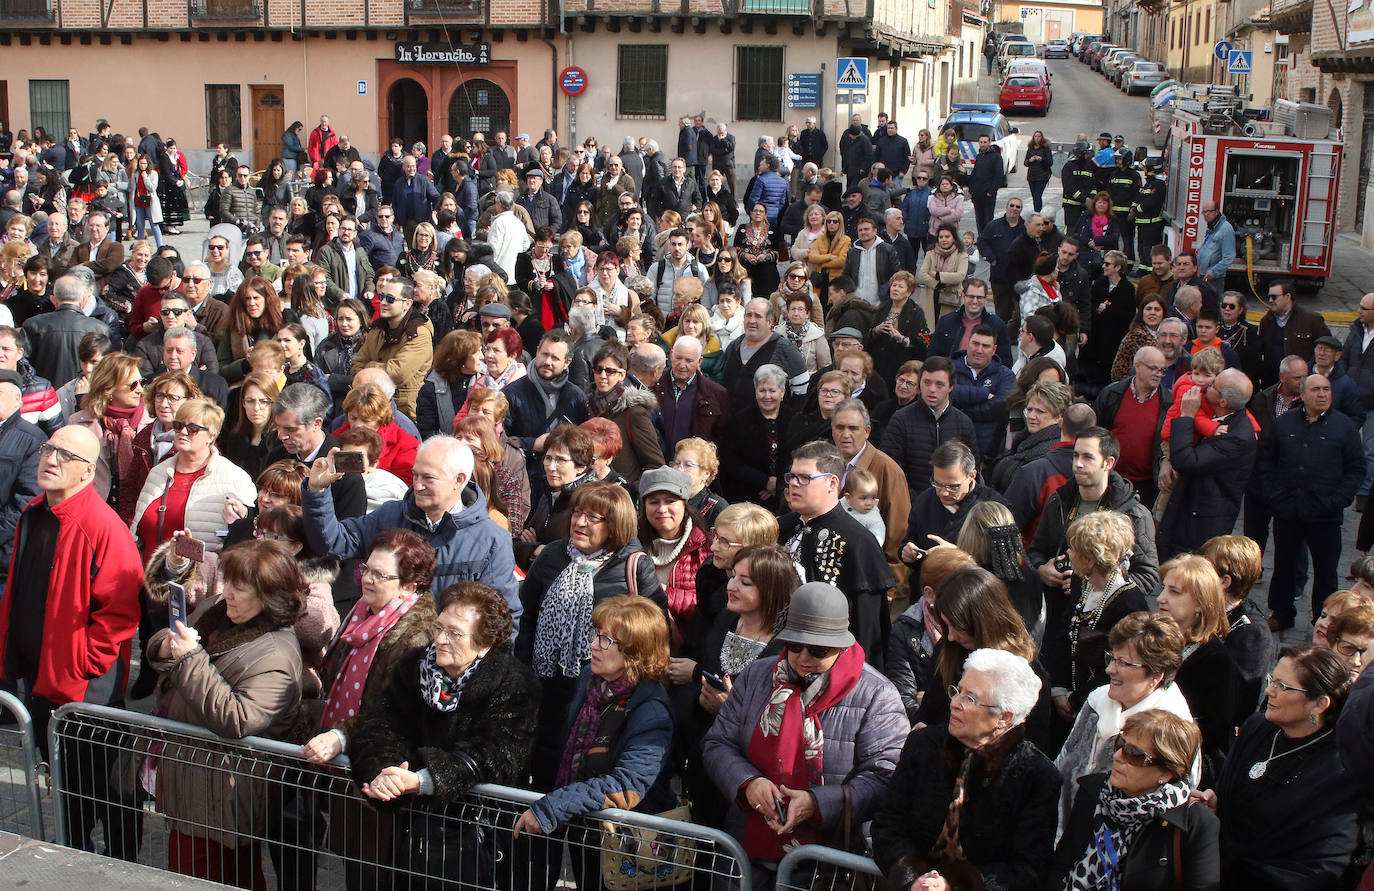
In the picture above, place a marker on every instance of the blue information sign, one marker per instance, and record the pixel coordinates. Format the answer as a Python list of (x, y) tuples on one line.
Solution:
[(804, 90)]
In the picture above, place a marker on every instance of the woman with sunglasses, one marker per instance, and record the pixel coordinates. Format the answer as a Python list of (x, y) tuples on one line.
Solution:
[(808, 738), (1144, 652), (971, 804), (631, 409), (1287, 802), (1135, 827), (155, 442), (114, 410), (188, 490)]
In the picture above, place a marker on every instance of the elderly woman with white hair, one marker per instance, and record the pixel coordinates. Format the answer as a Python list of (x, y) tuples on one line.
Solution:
[(972, 805)]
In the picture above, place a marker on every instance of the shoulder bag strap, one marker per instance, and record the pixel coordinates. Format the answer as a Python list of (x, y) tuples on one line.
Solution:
[(1178, 857), (632, 573)]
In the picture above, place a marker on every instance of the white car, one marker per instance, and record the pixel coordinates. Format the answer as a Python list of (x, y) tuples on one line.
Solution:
[(1029, 66)]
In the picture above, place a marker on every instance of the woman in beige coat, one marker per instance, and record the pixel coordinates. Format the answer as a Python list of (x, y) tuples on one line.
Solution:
[(237, 671)]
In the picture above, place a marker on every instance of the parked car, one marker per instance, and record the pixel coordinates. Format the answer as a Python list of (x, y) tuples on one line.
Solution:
[(1081, 43), (1143, 76), (1029, 66), (971, 120), (1025, 92), (1121, 66), (1100, 54), (1058, 48), (1091, 47), (1111, 66), (1014, 49)]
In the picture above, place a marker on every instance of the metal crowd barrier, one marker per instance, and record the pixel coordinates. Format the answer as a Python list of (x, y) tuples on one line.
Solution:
[(21, 768), (818, 868), (256, 796)]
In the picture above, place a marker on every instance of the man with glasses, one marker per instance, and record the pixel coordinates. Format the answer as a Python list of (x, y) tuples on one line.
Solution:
[(211, 313), (1133, 408), (828, 545), (940, 511), (346, 264), (1311, 465), (68, 619), (692, 404), (953, 330), (1211, 472), (175, 312), (1287, 329), (383, 242), (994, 243), (402, 342), (180, 353), (255, 262), (441, 507), (239, 203)]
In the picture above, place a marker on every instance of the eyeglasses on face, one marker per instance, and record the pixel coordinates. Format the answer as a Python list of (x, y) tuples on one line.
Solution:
[(443, 632), (366, 571), (816, 652), (63, 455), (1275, 683), (1132, 754), (1349, 649), (602, 641), (134, 385), (1110, 657), (169, 398), (216, 247), (588, 516), (168, 312), (948, 487), (189, 428), (194, 280), (390, 298), (607, 370), (957, 695), (802, 479)]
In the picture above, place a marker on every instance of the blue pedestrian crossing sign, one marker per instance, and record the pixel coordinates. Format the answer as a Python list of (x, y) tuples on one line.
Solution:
[(1239, 63), (851, 73)]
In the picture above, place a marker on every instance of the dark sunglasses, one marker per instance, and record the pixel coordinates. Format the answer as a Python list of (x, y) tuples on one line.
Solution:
[(191, 429), (1131, 754), (170, 311), (816, 652), (389, 298)]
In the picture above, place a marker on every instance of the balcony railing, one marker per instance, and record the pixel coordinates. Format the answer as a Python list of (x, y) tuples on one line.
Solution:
[(781, 7), (14, 11), (224, 10)]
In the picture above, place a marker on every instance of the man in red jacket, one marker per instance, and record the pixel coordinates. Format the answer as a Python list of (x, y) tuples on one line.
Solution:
[(67, 623), (322, 139)]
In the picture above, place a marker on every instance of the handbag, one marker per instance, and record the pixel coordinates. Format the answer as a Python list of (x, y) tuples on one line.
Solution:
[(831, 878), (636, 859), (449, 845), (143, 199)]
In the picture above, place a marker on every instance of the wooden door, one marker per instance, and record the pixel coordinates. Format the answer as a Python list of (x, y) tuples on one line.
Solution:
[(1052, 29), (269, 120)]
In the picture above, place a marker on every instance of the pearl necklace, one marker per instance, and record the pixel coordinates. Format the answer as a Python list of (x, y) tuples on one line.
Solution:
[(1258, 769)]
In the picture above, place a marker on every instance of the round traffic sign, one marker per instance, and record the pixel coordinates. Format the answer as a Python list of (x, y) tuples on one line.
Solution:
[(573, 81), (1222, 50)]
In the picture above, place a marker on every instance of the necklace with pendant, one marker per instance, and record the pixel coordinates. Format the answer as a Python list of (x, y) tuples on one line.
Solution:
[(1258, 769)]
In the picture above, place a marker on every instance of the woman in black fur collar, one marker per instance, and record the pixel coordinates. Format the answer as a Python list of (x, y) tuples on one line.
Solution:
[(972, 805)]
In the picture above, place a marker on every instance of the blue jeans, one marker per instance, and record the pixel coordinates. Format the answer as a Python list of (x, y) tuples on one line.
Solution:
[(1037, 190), (142, 218), (290, 164)]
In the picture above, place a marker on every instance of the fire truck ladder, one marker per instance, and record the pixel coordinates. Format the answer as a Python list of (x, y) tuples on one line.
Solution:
[(1315, 231)]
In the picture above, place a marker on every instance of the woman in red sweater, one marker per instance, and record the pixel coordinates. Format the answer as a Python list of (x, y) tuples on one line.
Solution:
[(367, 406)]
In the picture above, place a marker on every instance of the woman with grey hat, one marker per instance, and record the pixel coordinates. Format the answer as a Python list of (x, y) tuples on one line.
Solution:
[(972, 804), (806, 739), (675, 537)]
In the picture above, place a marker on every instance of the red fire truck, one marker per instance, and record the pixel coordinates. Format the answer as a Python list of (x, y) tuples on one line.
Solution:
[(1275, 180)]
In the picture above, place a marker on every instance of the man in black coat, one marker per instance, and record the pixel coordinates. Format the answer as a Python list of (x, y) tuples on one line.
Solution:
[(1310, 467), (856, 151), (941, 509), (723, 156), (678, 191), (529, 418), (988, 176), (1040, 236), (916, 431), (812, 144), (995, 241), (1213, 473), (828, 545), (19, 443), (54, 336), (539, 203)]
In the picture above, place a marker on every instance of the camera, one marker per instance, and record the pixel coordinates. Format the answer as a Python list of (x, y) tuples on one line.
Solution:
[(1063, 564)]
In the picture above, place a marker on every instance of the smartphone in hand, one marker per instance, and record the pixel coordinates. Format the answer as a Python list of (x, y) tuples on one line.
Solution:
[(349, 462), (713, 680), (176, 605)]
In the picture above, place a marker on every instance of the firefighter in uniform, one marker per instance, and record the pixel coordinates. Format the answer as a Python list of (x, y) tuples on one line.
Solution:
[(1124, 186), (1148, 212), (1079, 177)]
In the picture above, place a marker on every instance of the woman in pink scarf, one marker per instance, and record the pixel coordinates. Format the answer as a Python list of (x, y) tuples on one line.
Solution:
[(394, 615), (1097, 232)]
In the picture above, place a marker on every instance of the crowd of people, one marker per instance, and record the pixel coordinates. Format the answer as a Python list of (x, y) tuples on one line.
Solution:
[(579, 471)]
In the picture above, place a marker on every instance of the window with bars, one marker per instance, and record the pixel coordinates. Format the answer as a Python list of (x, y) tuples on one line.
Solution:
[(641, 83), (223, 116), (759, 83), (50, 106)]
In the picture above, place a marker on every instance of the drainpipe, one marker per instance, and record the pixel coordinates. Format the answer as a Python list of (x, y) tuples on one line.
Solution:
[(553, 53)]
